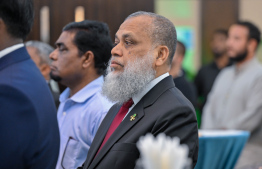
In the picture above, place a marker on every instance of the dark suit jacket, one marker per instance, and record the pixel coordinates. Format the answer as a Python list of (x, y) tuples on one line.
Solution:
[(55, 95), (29, 135), (188, 89), (162, 110)]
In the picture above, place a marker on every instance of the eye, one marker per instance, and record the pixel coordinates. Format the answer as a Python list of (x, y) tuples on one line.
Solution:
[(127, 42), (114, 44), (61, 49)]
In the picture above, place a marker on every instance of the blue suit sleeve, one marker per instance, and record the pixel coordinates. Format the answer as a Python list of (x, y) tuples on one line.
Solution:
[(18, 128)]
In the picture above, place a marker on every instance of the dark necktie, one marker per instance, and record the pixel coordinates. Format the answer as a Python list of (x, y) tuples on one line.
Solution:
[(117, 120)]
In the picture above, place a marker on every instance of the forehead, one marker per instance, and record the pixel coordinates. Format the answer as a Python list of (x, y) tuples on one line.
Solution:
[(238, 30), (137, 27), (33, 52), (31, 49), (218, 35), (66, 38)]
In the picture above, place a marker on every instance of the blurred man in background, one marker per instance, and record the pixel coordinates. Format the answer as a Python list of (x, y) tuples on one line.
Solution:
[(79, 60), (28, 125), (207, 74), (39, 53), (176, 71), (235, 101)]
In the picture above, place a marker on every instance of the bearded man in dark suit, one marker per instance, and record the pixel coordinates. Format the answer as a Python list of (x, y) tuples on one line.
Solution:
[(28, 125), (147, 99)]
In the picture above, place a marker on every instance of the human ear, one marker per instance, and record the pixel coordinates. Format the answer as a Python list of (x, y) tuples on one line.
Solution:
[(252, 44), (88, 59), (162, 55)]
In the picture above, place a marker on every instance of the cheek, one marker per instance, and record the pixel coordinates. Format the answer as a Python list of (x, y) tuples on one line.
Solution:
[(237, 47), (233, 45), (66, 64), (63, 64)]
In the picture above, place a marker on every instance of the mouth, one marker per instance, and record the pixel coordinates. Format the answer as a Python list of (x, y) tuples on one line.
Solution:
[(53, 68), (115, 64), (230, 50)]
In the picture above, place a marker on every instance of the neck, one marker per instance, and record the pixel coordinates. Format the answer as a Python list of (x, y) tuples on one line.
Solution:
[(47, 77), (175, 72), (222, 61), (80, 84), (6, 42), (162, 70), (249, 57)]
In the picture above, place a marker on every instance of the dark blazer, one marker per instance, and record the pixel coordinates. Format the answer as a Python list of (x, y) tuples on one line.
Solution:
[(55, 95), (188, 89), (162, 110), (29, 135)]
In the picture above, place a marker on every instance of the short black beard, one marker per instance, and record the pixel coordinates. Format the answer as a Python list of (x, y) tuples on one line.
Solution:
[(218, 55), (239, 57), (55, 78)]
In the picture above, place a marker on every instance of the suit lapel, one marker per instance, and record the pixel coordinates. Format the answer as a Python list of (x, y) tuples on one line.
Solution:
[(123, 128), (126, 124), (101, 133)]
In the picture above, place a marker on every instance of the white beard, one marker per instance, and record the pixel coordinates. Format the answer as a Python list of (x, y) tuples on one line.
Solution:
[(120, 87)]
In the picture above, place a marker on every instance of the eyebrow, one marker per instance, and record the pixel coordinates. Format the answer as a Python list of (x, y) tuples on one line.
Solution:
[(58, 44), (124, 35)]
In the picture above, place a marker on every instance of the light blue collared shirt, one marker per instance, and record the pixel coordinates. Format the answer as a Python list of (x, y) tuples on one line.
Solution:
[(79, 118)]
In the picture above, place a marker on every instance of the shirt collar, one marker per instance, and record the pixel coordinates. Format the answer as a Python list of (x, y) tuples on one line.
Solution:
[(85, 93), (136, 98), (10, 49)]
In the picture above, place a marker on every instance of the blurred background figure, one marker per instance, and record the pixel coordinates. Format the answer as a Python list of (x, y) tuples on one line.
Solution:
[(235, 101), (79, 60), (207, 74), (178, 74), (28, 125), (39, 53)]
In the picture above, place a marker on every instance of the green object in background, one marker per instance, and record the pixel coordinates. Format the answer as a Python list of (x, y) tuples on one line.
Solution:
[(182, 10), (198, 115), (200, 103), (174, 8), (185, 34)]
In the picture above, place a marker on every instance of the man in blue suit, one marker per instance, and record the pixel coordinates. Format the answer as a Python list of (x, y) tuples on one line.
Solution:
[(29, 135)]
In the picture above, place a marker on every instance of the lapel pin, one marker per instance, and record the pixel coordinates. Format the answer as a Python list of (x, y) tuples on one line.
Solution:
[(133, 117)]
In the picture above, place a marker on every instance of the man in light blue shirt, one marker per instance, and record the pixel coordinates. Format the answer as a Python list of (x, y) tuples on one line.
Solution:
[(79, 60)]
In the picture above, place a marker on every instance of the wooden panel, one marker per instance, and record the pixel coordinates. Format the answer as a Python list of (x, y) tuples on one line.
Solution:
[(216, 14), (113, 12)]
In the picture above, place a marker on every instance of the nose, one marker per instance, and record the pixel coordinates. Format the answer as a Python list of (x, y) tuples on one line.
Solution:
[(117, 51), (53, 55)]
